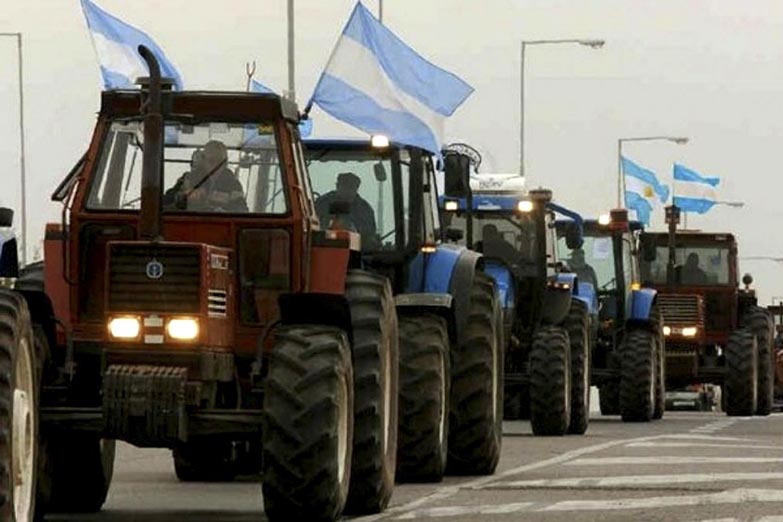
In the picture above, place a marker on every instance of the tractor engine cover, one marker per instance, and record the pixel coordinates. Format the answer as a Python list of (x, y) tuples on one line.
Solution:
[(145, 405)]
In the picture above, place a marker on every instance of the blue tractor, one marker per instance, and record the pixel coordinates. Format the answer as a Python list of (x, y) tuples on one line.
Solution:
[(450, 318), (547, 310), (628, 357)]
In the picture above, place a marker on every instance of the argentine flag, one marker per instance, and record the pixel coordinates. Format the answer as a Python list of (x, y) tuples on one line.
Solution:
[(642, 190), (376, 83), (116, 44), (692, 191)]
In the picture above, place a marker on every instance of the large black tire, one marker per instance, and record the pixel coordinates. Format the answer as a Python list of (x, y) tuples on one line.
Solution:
[(760, 323), (80, 468), (18, 410), (375, 375), (637, 375), (308, 424), (740, 384), (204, 461), (422, 446), (609, 398), (578, 327), (550, 382), (476, 404), (660, 361)]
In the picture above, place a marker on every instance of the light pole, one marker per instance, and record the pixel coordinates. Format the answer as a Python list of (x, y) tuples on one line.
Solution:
[(291, 48), (23, 177), (732, 204), (380, 11), (620, 177), (595, 44)]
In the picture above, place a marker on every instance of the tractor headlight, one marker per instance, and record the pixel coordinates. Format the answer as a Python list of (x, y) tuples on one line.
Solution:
[(125, 327), (690, 331), (379, 141), (182, 328), (451, 205), (604, 219), (667, 330), (525, 206)]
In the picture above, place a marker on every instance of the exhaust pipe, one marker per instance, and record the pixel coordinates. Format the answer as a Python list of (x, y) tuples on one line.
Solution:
[(150, 218)]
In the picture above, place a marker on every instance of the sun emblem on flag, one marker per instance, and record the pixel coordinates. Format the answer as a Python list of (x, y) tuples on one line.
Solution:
[(648, 192)]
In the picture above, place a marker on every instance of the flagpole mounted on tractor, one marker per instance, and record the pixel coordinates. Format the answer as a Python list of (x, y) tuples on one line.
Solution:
[(679, 140), (291, 94)]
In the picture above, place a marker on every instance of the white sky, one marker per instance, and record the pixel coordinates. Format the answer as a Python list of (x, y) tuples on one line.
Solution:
[(706, 69)]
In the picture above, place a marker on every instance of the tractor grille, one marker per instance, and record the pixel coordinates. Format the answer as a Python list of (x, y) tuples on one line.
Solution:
[(681, 309), (131, 289)]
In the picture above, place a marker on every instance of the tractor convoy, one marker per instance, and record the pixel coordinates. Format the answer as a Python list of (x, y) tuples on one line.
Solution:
[(335, 316)]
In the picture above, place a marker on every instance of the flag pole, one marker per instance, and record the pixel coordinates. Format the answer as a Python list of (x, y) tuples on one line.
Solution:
[(291, 61)]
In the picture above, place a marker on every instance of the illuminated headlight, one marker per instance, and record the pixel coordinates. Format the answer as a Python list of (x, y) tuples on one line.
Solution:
[(690, 331), (604, 219), (124, 327), (525, 206), (379, 141), (182, 329), (451, 206), (667, 330)]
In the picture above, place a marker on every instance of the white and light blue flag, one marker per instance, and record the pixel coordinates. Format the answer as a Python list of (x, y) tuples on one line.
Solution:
[(376, 83), (643, 190), (116, 44), (305, 126), (692, 191)]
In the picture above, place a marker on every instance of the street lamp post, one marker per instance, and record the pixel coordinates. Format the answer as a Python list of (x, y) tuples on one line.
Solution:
[(291, 53), (595, 44), (620, 177), (23, 177)]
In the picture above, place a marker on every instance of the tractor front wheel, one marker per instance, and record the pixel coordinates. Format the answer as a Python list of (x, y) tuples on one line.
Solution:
[(578, 325), (638, 375), (308, 424), (741, 380), (760, 323), (204, 461), (550, 382)]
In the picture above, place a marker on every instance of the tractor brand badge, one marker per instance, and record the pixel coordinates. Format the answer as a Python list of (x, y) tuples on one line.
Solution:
[(154, 269)]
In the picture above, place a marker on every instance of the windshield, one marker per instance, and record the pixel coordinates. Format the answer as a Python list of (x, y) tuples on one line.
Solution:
[(364, 180), (702, 265), (593, 263), (209, 167), (509, 237)]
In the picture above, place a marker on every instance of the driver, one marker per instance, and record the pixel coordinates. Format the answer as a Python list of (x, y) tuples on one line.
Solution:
[(584, 272), (362, 215), (494, 245), (691, 273), (209, 186)]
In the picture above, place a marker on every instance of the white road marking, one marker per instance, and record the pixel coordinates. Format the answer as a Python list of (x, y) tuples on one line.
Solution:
[(635, 480), (694, 436), (735, 496), (668, 460), (664, 444), (461, 511)]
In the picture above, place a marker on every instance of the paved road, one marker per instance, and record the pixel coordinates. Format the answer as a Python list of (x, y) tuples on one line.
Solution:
[(689, 467)]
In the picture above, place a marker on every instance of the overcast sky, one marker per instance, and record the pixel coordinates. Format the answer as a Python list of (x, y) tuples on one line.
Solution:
[(706, 69)]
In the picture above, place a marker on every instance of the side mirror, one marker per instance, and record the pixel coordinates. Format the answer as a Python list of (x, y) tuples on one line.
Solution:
[(649, 248), (380, 172), (456, 169), (454, 235), (747, 280), (574, 236), (6, 217), (340, 208)]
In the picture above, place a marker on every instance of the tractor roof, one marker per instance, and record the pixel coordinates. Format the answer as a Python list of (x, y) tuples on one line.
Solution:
[(207, 105), (694, 236)]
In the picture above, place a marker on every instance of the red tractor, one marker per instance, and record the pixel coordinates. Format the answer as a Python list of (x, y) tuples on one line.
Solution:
[(191, 300), (715, 331)]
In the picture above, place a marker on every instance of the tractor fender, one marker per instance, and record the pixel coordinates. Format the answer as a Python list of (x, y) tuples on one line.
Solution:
[(504, 280), (316, 308), (9, 263), (30, 285), (439, 304), (557, 303), (640, 304)]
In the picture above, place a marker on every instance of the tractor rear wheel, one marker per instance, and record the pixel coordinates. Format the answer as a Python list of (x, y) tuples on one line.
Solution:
[(422, 446), (476, 404), (741, 380), (638, 375), (550, 381), (19, 415), (204, 461), (375, 375), (609, 398), (578, 326), (760, 323), (660, 360), (308, 424)]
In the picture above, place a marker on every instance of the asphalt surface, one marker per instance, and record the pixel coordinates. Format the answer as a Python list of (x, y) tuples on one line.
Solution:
[(686, 467)]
